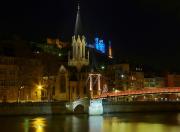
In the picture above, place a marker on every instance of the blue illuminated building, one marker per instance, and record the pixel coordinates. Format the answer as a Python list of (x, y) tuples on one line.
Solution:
[(99, 45)]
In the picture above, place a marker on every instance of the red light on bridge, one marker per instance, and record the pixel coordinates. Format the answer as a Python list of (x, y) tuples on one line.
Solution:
[(138, 92)]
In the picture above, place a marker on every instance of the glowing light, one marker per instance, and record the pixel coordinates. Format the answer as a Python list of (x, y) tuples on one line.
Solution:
[(140, 92), (110, 50), (39, 87), (100, 45), (60, 54), (102, 67), (38, 91), (21, 87), (39, 124), (116, 91), (122, 76)]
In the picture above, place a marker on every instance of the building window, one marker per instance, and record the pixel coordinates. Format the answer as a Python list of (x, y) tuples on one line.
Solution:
[(62, 84), (72, 89), (53, 90), (77, 91), (84, 90)]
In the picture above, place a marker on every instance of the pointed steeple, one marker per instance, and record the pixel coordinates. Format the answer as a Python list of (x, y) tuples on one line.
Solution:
[(80, 55), (78, 26)]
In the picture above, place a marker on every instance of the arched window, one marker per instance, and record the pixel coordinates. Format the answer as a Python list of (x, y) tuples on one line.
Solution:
[(85, 90), (62, 84), (77, 91)]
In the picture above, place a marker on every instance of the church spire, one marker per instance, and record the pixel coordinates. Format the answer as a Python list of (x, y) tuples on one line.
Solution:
[(80, 55), (78, 28), (78, 7)]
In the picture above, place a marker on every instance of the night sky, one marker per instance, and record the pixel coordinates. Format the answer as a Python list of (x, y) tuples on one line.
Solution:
[(144, 31)]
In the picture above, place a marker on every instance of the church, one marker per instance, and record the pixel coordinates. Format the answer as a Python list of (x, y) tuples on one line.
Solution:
[(71, 80)]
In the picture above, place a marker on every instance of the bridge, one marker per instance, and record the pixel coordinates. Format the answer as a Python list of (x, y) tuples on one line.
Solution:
[(87, 105), (78, 106), (94, 104), (166, 90)]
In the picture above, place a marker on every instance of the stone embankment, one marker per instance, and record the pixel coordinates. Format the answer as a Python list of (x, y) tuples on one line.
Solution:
[(33, 108), (141, 106), (44, 108)]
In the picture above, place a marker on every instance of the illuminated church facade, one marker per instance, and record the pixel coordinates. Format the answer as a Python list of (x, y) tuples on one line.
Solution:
[(71, 80)]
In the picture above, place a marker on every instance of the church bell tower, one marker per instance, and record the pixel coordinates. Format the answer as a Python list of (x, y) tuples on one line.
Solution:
[(79, 56)]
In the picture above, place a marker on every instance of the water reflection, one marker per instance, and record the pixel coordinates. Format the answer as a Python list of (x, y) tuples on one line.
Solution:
[(132, 122), (141, 123), (95, 123), (135, 127), (76, 123), (26, 125), (178, 118), (39, 124)]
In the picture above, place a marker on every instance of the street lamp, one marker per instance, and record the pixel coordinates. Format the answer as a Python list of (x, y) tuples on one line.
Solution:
[(19, 93), (39, 87), (39, 91), (122, 76), (102, 67)]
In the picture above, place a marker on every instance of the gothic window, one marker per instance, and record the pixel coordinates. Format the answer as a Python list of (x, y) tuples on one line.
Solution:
[(53, 90), (62, 83), (82, 51), (77, 91), (72, 89), (78, 49), (84, 90)]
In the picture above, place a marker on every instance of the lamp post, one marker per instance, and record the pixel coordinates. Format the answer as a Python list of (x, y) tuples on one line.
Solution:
[(39, 92), (69, 87), (19, 93)]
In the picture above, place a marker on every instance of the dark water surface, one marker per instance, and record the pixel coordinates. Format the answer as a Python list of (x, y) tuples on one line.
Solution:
[(124, 122)]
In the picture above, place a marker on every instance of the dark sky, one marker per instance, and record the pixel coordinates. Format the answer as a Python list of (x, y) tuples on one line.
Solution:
[(146, 31)]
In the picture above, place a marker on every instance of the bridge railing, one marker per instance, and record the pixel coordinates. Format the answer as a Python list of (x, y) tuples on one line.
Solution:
[(139, 92)]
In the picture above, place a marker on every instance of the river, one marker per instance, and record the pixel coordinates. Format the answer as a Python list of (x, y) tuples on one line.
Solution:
[(123, 122)]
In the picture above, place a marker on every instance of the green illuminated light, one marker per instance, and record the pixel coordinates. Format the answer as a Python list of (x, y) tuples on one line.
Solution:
[(60, 54), (102, 67)]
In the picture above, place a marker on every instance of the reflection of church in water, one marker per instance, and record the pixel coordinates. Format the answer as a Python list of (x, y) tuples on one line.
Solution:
[(71, 80)]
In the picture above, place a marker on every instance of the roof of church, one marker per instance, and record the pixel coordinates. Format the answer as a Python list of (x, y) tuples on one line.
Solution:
[(78, 26)]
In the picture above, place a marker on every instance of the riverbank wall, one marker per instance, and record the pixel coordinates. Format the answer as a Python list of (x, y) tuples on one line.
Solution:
[(41, 108), (119, 107), (49, 108)]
